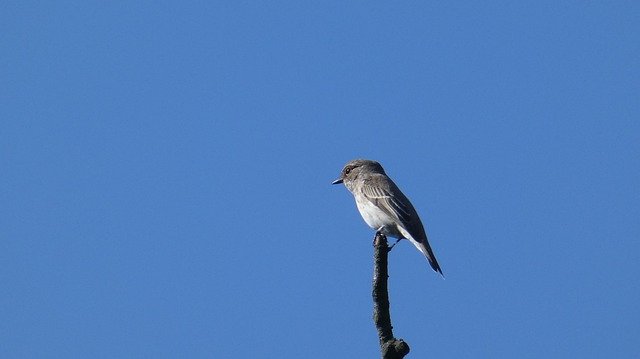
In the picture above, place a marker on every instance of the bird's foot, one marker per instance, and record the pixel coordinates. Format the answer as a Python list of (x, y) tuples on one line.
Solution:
[(391, 246), (378, 233)]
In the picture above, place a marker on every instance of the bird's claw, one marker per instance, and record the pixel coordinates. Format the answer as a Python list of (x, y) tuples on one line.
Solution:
[(391, 246), (378, 233)]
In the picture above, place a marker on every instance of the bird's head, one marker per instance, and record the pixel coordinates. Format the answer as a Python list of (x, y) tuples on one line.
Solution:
[(354, 168)]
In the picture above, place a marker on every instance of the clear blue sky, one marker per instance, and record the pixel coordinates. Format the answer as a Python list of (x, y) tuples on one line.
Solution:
[(166, 169)]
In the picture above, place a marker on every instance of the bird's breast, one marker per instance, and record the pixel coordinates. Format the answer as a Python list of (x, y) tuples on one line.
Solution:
[(375, 217)]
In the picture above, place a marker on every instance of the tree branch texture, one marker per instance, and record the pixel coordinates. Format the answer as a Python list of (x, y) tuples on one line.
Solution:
[(390, 347)]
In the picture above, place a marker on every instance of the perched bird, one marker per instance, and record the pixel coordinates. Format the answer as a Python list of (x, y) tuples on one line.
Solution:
[(383, 206)]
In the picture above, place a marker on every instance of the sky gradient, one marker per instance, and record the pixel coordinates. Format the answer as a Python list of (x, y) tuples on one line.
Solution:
[(167, 167)]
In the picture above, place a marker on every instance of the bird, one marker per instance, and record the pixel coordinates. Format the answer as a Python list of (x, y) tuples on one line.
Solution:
[(384, 207)]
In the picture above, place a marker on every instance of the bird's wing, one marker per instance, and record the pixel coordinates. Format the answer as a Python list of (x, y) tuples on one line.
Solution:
[(386, 196)]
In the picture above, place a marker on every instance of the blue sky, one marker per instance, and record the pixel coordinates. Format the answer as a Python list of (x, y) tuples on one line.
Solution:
[(167, 166)]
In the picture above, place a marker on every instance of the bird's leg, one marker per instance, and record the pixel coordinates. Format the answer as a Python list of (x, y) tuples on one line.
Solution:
[(378, 232), (391, 247)]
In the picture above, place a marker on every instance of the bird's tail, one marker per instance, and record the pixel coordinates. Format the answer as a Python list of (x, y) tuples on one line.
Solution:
[(424, 247)]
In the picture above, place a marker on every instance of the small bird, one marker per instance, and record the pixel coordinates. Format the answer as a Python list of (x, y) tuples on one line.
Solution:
[(384, 207)]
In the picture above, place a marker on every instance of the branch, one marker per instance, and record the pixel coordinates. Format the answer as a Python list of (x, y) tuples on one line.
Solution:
[(390, 347)]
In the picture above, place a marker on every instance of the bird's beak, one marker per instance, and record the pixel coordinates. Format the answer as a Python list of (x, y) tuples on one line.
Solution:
[(338, 181)]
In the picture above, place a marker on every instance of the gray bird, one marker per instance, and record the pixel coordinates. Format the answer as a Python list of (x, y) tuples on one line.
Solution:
[(384, 207)]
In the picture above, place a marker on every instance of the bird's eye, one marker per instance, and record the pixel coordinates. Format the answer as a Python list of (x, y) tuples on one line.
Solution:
[(347, 170)]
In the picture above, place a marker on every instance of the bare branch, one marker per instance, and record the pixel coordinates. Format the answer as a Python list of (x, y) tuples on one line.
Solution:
[(390, 347)]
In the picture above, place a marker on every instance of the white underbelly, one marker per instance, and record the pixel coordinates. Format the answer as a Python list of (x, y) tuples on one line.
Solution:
[(373, 216)]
